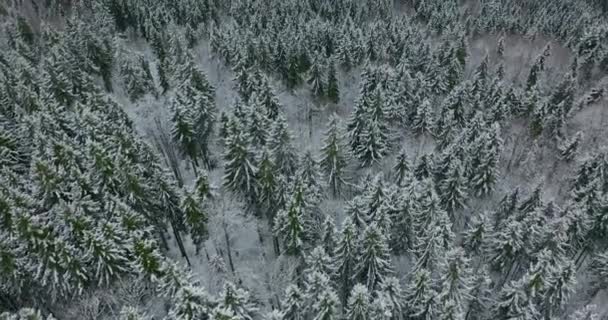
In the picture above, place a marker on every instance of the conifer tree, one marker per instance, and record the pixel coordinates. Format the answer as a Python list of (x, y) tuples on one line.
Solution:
[(327, 306), (537, 68), (359, 304), (375, 264), (402, 169), (292, 308), (334, 158), (329, 235), (240, 168), (291, 225), (346, 259), (267, 185), (423, 122), (456, 279), (421, 297), (333, 90), (195, 218), (316, 79), (280, 144), (237, 301), (453, 189)]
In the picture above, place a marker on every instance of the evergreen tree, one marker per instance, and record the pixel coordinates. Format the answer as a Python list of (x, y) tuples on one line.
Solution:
[(240, 169), (375, 264), (346, 254), (453, 189), (316, 79), (237, 301), (334, 158), (423, 122), (402, 170), (195, 218), (359, 304), (420, 297), (292, 308), (538, 67), (267, 186), (280, 144), (327, 306), (292, 224), (329, 235), (333, 90), (455, 278)]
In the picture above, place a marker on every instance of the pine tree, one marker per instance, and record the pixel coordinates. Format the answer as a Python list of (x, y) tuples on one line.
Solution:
[(190, 303), (402, 170), (476, 237), (329, 235), (359, 304), (240, 169), (425, 168), (334, 159), (456, 278), (183, 132), (391, 294), (375, 264), (480, 301), (195, 218), (537, 68), (420, 297), (292, 308), (373, 140), (327, 306), (453, 189), (346, 254), (280, 144), (316, 79), (237, 301), (267, 185), (333, 90), (291, 224), (423, 122)]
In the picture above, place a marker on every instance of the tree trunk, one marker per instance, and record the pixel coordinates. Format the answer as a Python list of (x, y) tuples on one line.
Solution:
[(180, 244), (228, 249)]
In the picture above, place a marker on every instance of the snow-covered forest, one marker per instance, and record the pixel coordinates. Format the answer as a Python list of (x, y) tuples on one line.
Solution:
[(304, 159)]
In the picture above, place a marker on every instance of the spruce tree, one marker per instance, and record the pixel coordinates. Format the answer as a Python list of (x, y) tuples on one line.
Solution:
[(280, 143), (292, 307), (346, 254), (316, 79), (334, 157), (240, 168), (333, 90), (327, 306), (358, 307), (453, 189), (291, 225), (421, 297), (402, 169), (375, 264)]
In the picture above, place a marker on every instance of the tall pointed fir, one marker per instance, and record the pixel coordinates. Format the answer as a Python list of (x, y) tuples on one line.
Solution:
[(291, 225), (537, 68), (402, 170), (333, 90), (292, 307), (373, 141), (267, 186), (346, 256), (280, 143), (195, 218), (358, 307), (240, 168), (375, 264), (334, 157), (421, 297), (453, 189), (327, 306), (316, 79), (456, 279)]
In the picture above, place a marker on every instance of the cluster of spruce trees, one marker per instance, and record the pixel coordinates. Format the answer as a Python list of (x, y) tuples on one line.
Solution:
[(86, 203)]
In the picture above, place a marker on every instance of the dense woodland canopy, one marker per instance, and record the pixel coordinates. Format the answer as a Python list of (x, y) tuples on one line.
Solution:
[(303, 159)]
